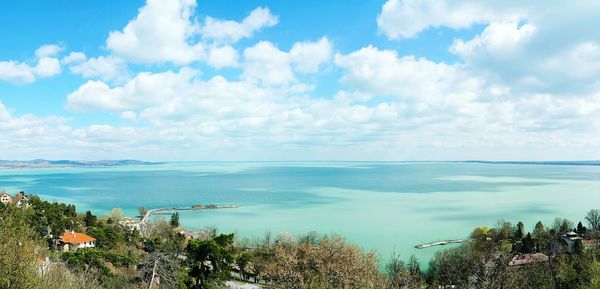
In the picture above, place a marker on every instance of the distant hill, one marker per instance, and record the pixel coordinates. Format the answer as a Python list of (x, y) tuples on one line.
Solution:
[(6, 164), (554, 163)]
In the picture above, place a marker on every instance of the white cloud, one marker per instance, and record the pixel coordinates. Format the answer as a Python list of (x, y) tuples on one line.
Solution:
[(528, 47), (130, 115), (49, 50), (106, 68), (425, 83), (406, 18), (144, 90), (496, 38), (163, 31), (16, 72), (74, 57), (516, 91), (308, 56), (223, 56), (168, 31), (28, 136), (580, 62), (20, 72), (47, 67), (266, 63), (233, 31)]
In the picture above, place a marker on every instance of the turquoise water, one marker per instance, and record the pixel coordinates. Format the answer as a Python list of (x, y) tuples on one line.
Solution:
[(383, 206)]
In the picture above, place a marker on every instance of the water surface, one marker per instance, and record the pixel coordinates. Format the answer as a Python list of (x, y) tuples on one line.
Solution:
[(377, 205)]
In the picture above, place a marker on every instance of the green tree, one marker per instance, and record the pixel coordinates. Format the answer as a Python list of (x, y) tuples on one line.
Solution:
[(528, 245), (594, 282), (175, 219), (519, 231), (581, 229), (243, 262), (210, 259), (17, 251), (89, 219), (453, 266), (22, 254)]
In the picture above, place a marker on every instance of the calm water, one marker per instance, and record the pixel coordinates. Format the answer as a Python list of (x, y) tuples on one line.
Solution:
[(383, 206)]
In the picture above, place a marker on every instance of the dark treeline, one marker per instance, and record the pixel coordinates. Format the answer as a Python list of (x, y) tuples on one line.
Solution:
[(557, 255)]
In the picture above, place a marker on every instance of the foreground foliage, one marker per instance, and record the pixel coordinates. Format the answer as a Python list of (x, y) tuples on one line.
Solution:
[(126, 259)]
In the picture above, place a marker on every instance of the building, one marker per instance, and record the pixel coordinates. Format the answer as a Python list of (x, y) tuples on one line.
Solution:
[(6, 199), (71, 241), (130, 224), (569, 239), (19, 200)]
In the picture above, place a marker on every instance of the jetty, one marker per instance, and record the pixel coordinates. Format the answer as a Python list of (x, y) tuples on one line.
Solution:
[(441, 243), (149, 213)]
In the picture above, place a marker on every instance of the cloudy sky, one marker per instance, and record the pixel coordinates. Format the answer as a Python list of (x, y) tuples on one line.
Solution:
[(300, 80)]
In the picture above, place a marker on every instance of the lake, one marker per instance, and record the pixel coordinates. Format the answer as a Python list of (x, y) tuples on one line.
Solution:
[(386, 206)]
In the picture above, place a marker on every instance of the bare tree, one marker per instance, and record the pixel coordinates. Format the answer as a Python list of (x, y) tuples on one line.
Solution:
[(593, 218)]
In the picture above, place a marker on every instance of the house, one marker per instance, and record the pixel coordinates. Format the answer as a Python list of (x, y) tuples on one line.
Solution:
[(71, 241), (130, 224), (20, 200), (6, 199), (569, 239), (526, 259)]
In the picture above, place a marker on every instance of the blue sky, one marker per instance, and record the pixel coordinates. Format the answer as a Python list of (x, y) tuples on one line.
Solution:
[(299, 80)]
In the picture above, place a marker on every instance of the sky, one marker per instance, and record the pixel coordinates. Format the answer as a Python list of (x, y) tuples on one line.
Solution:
[(187, 80)]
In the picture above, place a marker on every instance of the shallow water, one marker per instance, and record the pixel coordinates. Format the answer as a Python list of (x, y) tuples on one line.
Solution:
[(383, 206)]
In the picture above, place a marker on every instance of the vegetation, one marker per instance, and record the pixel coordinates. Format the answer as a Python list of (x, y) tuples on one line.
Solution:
[(503, 256)]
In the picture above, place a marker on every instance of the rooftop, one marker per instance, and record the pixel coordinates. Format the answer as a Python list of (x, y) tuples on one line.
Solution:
[(75, 238)]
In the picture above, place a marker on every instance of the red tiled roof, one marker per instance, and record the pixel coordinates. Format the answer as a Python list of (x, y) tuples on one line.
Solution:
[(75, 238)]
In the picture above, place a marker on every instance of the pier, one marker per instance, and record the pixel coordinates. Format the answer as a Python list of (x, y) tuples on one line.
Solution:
[(441, 243), (149, 213)]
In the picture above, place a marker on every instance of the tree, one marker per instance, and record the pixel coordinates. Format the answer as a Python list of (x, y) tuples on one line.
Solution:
[(593, 219), (561, 226), (175, 219), (454, 266), (89, 219), (480, 233), (243, 262), (142, 211), (581, 229), (528, 245), (210, 258), (17, 251), (397, 273), (20, 255), (519, 231), (329, 263), (578, 247), (538, 231), (116, 214), (504, 229), (595, 276)]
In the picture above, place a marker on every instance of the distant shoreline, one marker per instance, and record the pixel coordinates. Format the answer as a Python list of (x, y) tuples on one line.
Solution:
[(45, 164)]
